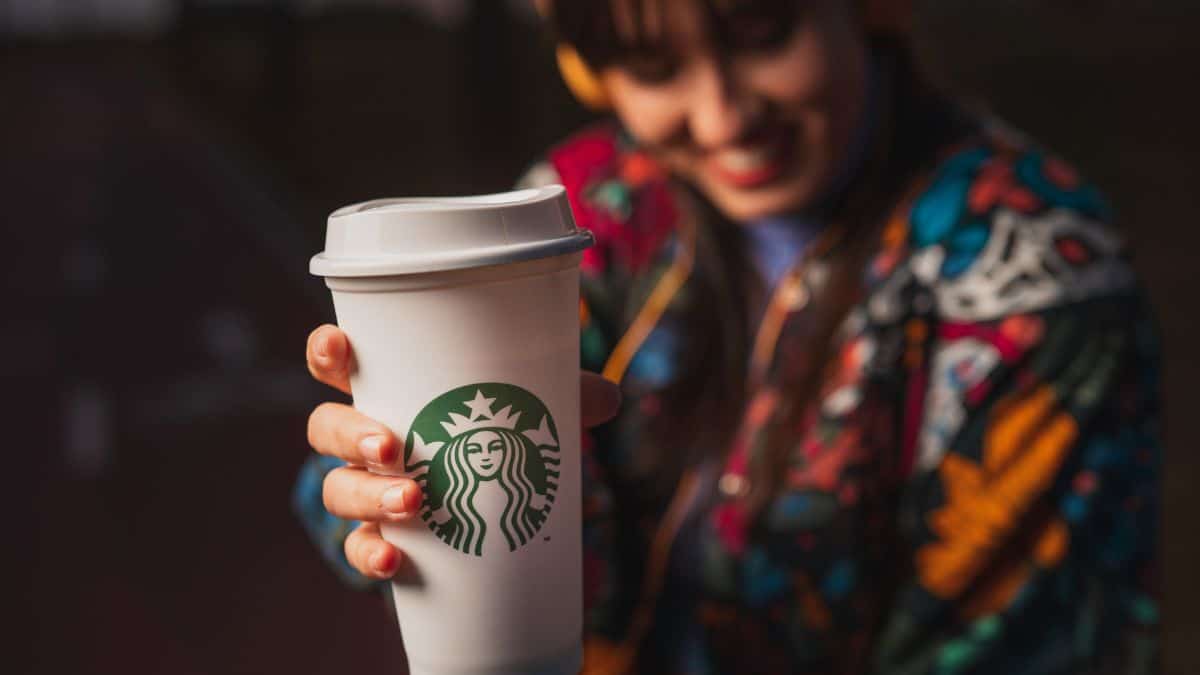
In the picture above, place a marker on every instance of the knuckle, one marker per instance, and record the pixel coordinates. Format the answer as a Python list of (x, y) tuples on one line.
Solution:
[(365, 493), (310, 347), (332, 489), (316, 420), (327, 493), (352, 546), (315, 333), (350, 493), (312, 428), (326, 408)]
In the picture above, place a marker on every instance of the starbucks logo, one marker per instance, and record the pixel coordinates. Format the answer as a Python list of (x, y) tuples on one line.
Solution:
[(490, 467)]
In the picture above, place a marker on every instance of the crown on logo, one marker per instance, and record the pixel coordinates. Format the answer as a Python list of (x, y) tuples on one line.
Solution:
[(481, 417)]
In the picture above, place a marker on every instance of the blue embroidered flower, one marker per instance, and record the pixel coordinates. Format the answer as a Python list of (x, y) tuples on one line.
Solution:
[(937, 210), (963, 247), (1083, 197)]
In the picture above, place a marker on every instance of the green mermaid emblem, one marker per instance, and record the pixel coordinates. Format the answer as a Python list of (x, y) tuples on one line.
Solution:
[(491, 461)]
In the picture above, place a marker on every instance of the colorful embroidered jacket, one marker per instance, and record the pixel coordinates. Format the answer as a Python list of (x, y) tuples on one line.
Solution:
[(977, 491)]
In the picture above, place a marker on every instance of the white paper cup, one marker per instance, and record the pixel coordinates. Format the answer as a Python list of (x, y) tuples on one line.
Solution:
[(463, 316)]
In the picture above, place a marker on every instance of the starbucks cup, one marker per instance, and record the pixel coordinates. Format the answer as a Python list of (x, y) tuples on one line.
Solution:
[(463, 317)]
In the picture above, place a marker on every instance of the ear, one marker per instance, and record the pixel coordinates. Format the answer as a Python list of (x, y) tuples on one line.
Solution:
[(580, 78), (887, 16)]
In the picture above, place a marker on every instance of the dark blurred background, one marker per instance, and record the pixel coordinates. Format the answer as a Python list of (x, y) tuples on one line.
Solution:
[(166, 167)]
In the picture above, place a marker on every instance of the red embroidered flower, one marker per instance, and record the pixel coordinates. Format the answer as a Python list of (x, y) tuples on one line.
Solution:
[(1072, 250), (996, 184), (730, 524), (621, 196), (637, 169), (1061, 174)]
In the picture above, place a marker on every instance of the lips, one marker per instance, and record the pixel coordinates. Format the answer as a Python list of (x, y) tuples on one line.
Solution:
[(752, 164)]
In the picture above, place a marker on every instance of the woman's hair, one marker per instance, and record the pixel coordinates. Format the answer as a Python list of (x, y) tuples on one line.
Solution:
[(515, 522), (513, 477), (467, 536), (612, 32)]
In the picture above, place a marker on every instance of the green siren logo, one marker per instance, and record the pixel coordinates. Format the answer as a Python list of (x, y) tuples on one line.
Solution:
[(490, 463)]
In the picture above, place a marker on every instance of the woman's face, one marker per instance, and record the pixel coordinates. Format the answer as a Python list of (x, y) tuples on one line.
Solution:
[(485, 450), (760, 128)]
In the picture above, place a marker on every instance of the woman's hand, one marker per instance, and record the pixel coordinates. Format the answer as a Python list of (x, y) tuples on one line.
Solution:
[(353, 492)]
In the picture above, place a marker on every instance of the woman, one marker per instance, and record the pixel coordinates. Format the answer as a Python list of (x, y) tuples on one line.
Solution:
[(889, 397)]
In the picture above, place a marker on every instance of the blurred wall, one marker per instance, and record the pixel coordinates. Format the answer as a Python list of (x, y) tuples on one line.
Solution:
[(166, 175)]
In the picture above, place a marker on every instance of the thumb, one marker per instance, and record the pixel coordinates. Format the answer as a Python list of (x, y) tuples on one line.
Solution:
[(600, 399)]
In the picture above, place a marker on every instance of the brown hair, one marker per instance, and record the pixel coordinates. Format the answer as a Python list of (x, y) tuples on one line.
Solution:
[(608, 32)]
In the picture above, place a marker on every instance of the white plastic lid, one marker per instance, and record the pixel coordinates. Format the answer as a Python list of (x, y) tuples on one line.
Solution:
[(433, 234)]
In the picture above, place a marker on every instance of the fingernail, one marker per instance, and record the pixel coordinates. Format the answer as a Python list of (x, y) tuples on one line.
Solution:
[(412, 497), (379, 562), (371, 447), (395, 499)]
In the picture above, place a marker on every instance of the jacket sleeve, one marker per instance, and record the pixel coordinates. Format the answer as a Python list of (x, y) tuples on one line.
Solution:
[(1035, 489), (326, 531)]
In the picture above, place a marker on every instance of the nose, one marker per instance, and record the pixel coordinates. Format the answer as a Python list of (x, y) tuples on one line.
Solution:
[(720, 113)]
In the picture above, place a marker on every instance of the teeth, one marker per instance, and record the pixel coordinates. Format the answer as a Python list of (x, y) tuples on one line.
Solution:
[(746, 160)]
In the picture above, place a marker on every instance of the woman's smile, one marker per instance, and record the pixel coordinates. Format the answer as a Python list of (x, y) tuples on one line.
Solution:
[(751, 165)]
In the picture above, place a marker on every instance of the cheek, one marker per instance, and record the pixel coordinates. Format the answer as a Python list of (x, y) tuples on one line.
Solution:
[(817, 82), (652, 114), (802, 77)]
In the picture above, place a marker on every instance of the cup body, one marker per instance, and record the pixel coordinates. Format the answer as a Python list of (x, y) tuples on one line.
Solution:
[(478, 371)]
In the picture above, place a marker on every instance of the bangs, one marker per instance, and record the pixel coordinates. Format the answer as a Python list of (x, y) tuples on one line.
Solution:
[(608, 32), (604, 31)]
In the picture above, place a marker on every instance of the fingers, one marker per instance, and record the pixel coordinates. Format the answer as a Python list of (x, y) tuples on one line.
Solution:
[(599, 398), (329, 358), (367, 552), (356, 494), (338, 430)]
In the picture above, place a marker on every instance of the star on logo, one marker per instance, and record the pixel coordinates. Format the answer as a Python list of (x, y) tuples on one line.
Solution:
[(422, 449), (541, 436), (480, 416), (480, 406)]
